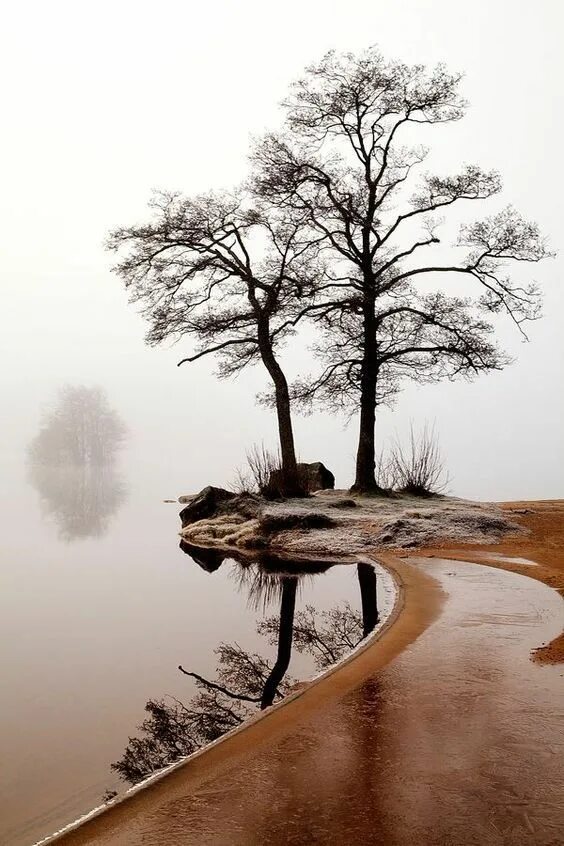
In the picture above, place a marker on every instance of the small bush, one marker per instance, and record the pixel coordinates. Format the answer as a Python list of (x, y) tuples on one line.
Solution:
[(418, 469), (384, 473), (264, 475)]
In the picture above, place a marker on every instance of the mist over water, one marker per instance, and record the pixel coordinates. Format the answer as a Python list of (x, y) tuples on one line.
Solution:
[(82, 156), (98, 605), (97, 610)]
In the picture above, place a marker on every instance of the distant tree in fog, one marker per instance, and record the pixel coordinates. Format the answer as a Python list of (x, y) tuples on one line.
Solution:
[(82, 428), (72, 462), (230, 273)]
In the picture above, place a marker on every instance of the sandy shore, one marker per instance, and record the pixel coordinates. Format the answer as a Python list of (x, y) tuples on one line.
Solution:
[(541, 544), (418, 604), (485, 648)]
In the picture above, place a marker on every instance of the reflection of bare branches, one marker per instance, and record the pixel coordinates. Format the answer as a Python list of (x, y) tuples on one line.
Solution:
[(173, 729), (263, 579), (220, 689), (325, 635), (244, 679), (262, 588), (241, 670)]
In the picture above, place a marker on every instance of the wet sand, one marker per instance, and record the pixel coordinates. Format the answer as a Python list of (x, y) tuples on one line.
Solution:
[(443, 733), (538, 553)]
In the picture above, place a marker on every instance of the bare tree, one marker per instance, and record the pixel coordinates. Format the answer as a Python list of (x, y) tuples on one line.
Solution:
[(343, 166), (71, 462), (232, 275), (80, 429)]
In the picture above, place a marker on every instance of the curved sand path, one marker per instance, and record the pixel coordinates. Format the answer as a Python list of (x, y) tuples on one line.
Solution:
[(458, 740)]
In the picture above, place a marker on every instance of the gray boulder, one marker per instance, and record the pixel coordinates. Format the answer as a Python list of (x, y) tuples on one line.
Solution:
[(317, 476), (205, 504), (212, 502)]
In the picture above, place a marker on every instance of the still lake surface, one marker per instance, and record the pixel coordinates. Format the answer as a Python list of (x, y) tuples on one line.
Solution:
[(98, 607)]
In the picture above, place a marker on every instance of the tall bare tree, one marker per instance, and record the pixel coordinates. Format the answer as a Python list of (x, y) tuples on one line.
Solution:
[(230, 274), (345, 162)]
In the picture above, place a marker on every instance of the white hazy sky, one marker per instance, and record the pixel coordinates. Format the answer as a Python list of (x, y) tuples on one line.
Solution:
[(103, 102)]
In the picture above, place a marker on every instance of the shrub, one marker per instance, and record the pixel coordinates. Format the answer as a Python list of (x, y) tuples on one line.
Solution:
[(418, 469), (264, 475)]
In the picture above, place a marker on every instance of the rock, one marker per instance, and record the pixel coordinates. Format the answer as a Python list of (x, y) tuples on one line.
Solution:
[(205, 504), (208, 558), (216, 502), (186, 498), (317, 476)]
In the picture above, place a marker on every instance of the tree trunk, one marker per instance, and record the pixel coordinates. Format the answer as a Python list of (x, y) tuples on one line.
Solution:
[(285, 634), (365, 480), (291, 481), (285, 429), (367, 582)]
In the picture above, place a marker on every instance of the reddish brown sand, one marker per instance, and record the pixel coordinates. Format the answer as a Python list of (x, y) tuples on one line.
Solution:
[(542, 544), (442, 733)]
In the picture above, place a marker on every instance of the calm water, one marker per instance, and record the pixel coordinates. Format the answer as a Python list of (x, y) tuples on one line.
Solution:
[(456, 742), (99, 606)]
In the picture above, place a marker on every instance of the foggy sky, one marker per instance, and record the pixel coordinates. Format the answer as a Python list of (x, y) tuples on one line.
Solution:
[(104, 102)]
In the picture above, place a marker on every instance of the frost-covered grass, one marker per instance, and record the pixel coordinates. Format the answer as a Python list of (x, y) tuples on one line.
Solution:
[(316, 526)]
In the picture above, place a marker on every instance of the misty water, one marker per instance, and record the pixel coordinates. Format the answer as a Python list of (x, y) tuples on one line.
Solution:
[(99, 606)]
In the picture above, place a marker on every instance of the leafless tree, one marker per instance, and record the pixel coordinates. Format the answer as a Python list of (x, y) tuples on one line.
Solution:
[(345, 163), (80, 429), (71, 462), (230, 273)]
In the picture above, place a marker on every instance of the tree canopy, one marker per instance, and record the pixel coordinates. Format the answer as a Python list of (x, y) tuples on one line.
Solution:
[(339, 224), (346, 163)]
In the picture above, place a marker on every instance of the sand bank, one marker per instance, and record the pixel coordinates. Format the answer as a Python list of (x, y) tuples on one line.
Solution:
[(442, 731)]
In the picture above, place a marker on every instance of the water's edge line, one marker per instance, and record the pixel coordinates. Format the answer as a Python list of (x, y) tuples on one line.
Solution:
[(365, 643)]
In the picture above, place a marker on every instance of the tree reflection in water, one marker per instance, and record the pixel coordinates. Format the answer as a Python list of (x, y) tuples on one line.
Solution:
[(71, 463), (244, 680)]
